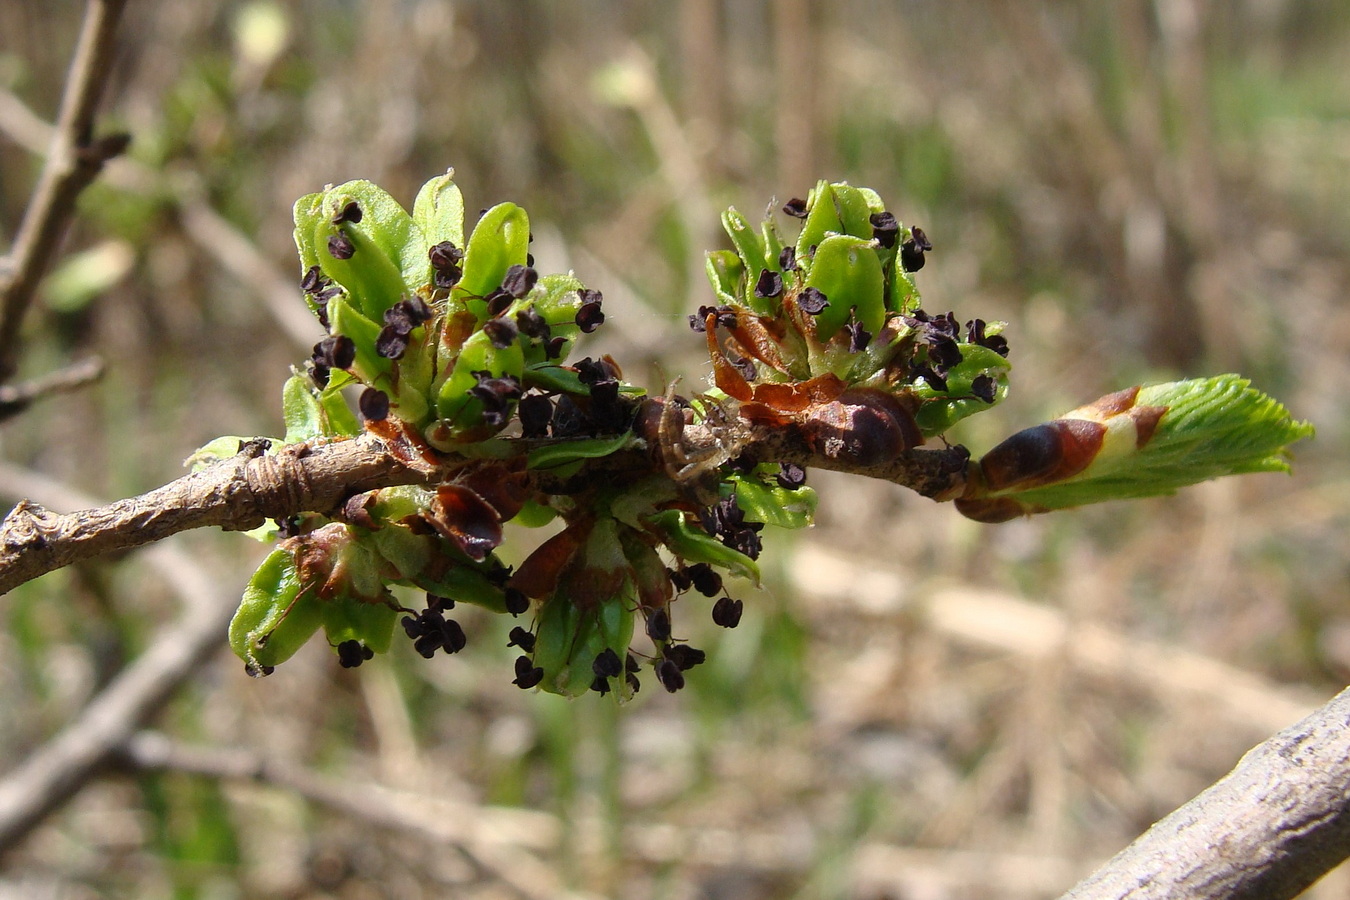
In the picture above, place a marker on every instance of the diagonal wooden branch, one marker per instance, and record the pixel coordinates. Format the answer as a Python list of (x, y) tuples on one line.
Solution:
[(244, 491), (59, 769), (219, 238), (237, 494), (1274, 825), (74, 160)]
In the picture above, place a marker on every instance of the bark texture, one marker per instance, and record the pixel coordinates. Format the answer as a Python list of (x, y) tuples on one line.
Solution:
[(1274, 825)]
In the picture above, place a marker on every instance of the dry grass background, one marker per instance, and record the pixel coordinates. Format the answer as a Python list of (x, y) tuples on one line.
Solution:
[(916, 707)]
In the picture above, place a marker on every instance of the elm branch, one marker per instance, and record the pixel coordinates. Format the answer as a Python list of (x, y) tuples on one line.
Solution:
[(237, 494), (244, 491)]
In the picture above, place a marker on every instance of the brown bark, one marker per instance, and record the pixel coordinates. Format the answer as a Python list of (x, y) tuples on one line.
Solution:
[(244, 491), (237, 494)]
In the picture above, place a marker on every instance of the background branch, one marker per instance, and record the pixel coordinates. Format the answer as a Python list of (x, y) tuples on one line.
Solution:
[(74, 160), (496, 839), (15, 398), (210, 231), (1274, 825)]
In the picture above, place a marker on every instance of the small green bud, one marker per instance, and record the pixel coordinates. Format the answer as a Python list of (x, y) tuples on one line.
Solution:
[(1139, 442)]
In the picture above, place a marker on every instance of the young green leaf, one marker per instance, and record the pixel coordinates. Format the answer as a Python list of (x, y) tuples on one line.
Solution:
[(691, 543), (310, 414), (943, 409), (346, 319), (356, 233), (725, 271), (560, 453), (856, 206), (822, 219), (750, 249), (438, 214), (1140, 442), (351, 619)]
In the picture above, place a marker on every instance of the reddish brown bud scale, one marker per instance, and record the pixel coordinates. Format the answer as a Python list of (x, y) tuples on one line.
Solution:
[(992, 510), (796, 397), (538, 575), (760, 338), (586, 586), (404, 442), (782, 397), (503, 488), (1103, 409), (466, 520), (1043, 454), (1110, 405), (356, 511), (1146, 419), (725, 375), (865, 426), (318, 558), (458, 326)]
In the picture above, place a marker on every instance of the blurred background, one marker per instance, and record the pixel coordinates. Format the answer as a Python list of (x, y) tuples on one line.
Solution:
[(915, 707)]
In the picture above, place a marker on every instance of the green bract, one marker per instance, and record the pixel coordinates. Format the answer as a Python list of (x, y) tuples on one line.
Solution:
[(501, 239), (846, 270), (373, 274), (275, 618)]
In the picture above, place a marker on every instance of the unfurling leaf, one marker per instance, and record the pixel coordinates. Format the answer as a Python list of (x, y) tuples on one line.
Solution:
[(1140, 442)]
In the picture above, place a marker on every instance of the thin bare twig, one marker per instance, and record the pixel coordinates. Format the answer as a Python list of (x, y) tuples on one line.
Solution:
[(73, 162), (15, 398), (202, 224), (496, 839)]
